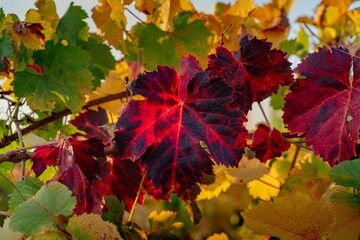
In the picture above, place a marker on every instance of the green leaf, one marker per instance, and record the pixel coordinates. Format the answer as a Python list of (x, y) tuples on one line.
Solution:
[(91, 227), (42, 212), (72, 26), (102, 59), (50, 235), (2, 18), (349, 199), (27, 188), (277, 100), (7, 233), (167, 48), (115, 211), (6, 46), (346, 174), (65, 78)]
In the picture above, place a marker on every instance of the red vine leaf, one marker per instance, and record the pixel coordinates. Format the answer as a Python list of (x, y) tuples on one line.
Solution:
[(79, 163), (325, 105), (166, 130), (92, 122), (268, 143), (254, 72)]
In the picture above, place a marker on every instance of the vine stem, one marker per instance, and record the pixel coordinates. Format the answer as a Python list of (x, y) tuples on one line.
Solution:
[(137, 198), (297, 150), (20, 137), (264, 114)]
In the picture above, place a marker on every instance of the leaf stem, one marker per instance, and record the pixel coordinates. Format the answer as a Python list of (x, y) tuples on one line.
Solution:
[(264, 114), (133, 14), (137, 198), (293, 162)]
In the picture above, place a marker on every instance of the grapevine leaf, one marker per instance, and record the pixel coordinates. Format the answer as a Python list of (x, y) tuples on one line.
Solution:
[(41, 212), (102, 60), (329, 115), (7, 233), (110, 20), (79, 163), (163, 224), (172, 128), (115, 83), (6, 51), (290, 211), (113, 211), (346, 174), (72, 26), (91, 226), (146, 6), (268, 143), (189, 67), (25, 190), (254, 72), (167, 48), (347, 199), (167, 12), (91, 122), (125, 182), (47, 10), (30, 34), (346, 222), (65, 78), (217, 236)]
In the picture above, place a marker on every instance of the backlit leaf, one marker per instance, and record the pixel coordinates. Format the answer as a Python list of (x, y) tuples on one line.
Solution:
[(80, 163), (72, 26), (65, 78), (163, 224), (91, 227), (268, 143), (41, 212), (167, 48), (25, 190), (217, 236), (328, 116), (110, 19), (346, 174), (254, 72), (292, 216), (6, 51), (169, 128), (114, 211), (92, 123)]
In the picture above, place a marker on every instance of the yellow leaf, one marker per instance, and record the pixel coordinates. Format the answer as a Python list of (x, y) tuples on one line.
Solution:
[(47, 11), (290, 217), (269, 22), (111, 22), (241, 8), (247, 171), (354, 16), (265, 188), (346, 222), (146, 6), (216, 236), (114, 83), (34, 16), (167, 10)]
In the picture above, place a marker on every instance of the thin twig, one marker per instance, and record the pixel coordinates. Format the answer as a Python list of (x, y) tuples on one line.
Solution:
[(22, 196), (139, 19), (55, 116), (137, 198), (263, 113), (3, 213), (20, 137), (293, 162), (223, 33)]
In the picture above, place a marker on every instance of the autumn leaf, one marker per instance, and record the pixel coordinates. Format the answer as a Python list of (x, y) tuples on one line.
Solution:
[(144, 6), (166, 129), (79, 165), (164, 15), (30, 34), (254, 72), (92, 123), (168, 47), (291, 216), (6, 51), (110, 20), (328, 115), (268, 143)]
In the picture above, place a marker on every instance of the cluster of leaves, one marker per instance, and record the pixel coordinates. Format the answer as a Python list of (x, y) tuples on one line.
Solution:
[(182, 132)]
